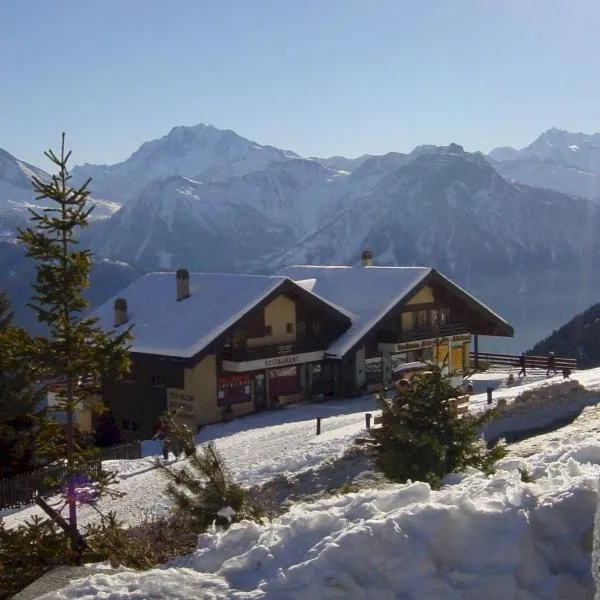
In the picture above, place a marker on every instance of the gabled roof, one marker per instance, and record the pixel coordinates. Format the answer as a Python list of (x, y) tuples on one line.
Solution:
[(370, 293), (164, 326)]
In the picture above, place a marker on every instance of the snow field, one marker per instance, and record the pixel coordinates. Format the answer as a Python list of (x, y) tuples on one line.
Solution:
[(478, 537)]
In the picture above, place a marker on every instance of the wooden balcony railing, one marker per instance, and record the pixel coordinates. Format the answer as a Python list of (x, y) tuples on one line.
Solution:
[(425, 332), (273, 350)]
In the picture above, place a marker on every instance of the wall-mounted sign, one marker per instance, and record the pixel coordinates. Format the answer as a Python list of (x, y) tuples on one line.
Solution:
[(233, 389), (465, 337), (182, 403), (272, 363)]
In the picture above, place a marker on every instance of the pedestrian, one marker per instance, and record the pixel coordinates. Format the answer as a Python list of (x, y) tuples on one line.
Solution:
[(551, 364), (166, 448), (522, 363)]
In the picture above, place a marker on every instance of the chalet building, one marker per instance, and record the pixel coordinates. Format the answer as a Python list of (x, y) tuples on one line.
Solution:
[(215, 346)]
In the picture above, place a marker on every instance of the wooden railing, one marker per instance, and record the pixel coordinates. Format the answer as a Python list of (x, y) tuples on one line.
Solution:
[(21, 490), (480, 359), (273, 350), (425, 332)]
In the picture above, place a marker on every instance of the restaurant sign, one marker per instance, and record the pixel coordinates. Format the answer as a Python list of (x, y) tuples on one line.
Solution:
[(274, 362)]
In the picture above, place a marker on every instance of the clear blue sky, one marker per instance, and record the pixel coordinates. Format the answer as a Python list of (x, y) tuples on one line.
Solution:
[(320, 77)]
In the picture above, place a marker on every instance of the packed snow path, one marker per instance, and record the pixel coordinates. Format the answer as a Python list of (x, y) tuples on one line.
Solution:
[(259, 447), (255, 448)]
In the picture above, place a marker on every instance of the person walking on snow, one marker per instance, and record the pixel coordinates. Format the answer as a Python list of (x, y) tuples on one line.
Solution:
[(522, 361), (551, 364)]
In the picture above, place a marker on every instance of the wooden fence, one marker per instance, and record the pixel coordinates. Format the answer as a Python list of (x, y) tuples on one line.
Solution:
[(21, 490), (531, 362)]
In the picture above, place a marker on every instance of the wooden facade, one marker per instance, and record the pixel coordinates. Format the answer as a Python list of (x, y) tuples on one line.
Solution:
[(260, 361), (276, 353)]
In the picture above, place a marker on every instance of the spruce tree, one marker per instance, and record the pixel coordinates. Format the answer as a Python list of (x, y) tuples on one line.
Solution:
[(422, 437), (24, 427), (203, 492), (76, 352)]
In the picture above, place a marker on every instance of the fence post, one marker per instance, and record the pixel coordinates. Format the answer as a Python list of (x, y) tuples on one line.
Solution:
[(489, 391), (318, 425), (368, 420)]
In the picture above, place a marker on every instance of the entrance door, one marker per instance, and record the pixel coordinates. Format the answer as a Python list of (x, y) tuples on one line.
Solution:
[(260, 392)]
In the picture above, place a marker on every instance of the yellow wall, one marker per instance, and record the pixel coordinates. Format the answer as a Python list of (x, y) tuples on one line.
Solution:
[(201, 383), (457, 358), (278, 313), (423, 296), (440, 352), (407, 321)]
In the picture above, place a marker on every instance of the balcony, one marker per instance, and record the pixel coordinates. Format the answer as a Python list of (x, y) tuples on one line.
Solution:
[(424, 333), (273, 351)]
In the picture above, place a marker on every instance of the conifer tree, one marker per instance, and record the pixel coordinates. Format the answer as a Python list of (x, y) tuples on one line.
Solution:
[(20, 412), (204, 492), (422, 437), (76, 352)]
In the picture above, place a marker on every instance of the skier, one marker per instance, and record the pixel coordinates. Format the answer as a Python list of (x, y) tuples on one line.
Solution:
[(522, 361), (551, 364)]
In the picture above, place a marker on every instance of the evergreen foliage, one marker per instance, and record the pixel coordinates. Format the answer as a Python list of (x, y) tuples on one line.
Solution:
[(28, 551), (423, 438), (77, 352), (23, 426), (204, 492), (578, 338)]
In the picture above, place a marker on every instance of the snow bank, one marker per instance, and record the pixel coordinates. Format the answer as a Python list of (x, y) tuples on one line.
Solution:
[(539, 407), (479, 537)]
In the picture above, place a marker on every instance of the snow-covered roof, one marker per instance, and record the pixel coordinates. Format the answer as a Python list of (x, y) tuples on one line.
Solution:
[(366, 292), (369, 293), (182, 329)]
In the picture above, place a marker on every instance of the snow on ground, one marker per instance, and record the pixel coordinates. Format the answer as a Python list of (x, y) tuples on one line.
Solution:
[(259, 447), (478, 537), (256, 448)]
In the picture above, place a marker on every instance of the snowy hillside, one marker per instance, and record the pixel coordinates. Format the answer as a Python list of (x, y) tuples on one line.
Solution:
[(558, 159), (495, 537), (221, 225), (17, 195), (201, 153)]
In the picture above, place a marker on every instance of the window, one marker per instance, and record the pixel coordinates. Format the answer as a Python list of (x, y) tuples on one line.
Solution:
[(301, 329), (157, 381), (444, 316), (422, 318), (289, 328), (268, 330)]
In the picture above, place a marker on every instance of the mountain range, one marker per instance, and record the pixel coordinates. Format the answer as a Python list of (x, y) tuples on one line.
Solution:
[(519, 228)]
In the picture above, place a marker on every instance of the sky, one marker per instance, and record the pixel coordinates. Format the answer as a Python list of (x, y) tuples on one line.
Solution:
[(320, 77)]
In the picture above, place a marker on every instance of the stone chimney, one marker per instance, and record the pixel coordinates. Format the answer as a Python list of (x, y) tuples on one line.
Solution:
[(183, 284), (366, 258), (121, 316)]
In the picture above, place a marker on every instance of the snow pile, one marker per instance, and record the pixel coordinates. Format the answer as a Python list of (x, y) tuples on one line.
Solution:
[(539, 407), (479, 537)]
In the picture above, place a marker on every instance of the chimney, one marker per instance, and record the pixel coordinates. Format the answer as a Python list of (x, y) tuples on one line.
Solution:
[(121, 316), (366, 258), (183, 284)]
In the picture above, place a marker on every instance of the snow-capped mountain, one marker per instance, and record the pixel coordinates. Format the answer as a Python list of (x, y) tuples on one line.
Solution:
[(202, 153), (221, 225), (558, 159), (17, 194), (439, 206)]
